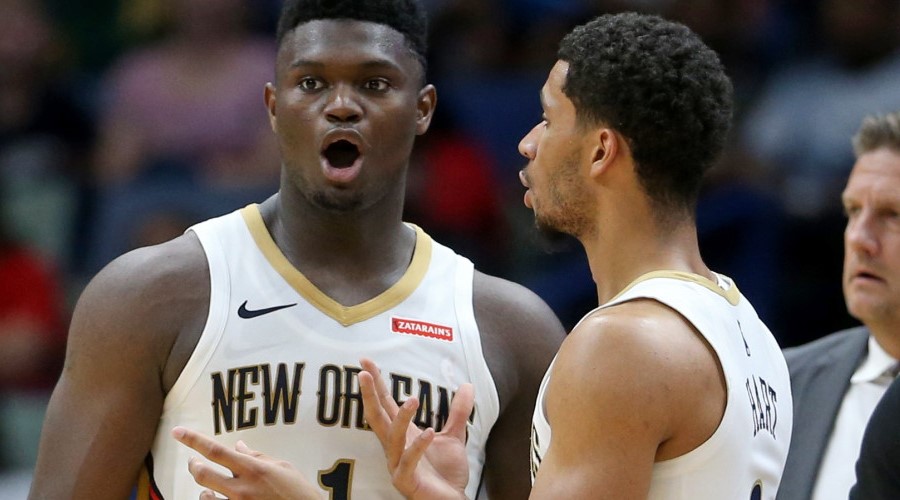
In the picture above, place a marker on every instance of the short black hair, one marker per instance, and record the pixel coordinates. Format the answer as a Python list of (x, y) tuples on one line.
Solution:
[(405, 16), (655, 82)]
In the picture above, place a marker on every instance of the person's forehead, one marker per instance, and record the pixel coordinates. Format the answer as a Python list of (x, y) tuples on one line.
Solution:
[(877, 171), (324, 38), (557, 77), (552, 91)]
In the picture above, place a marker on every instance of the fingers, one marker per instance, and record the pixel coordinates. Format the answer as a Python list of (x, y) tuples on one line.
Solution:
[(460, 409), (382, 391), (205, 475), (398, 432), (218, 453), (242, 447), (406, 468), (376, 416), (208, 495)]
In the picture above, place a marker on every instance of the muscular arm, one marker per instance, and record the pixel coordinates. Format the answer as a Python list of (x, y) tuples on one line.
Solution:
[(131, 334), (520, 335), (632, 385)]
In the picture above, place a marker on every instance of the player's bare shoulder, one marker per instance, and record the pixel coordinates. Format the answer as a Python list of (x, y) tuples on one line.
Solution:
[(519, 332), (648, 331), (514, 313), (156, 297), (644, 347)]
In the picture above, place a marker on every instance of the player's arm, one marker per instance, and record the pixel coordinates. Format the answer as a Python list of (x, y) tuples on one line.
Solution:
[(126, 347), (520, 335), (631, 386)]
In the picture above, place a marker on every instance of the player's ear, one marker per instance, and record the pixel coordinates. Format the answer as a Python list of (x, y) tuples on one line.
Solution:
[(425, 104), (606, 147), (270, 98)]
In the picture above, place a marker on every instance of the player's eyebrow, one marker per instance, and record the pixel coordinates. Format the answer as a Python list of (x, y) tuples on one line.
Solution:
[(383, 64)]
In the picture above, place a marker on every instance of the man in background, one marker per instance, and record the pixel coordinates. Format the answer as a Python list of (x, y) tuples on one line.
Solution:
[(838, 380)]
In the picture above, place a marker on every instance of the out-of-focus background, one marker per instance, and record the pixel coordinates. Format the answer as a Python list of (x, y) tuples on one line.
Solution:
[(124, 121)]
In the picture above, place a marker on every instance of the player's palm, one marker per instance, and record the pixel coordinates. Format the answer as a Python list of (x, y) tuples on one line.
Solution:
[(430, 465), (422, 464)]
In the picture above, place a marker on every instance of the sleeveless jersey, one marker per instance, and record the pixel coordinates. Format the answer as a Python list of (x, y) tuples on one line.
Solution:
[(276, 365), (745, 456)]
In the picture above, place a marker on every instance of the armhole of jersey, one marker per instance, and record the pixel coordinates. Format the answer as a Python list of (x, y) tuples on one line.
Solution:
[(714, 442), (540, 405), (220, 292), (475, 361), (487, 398)]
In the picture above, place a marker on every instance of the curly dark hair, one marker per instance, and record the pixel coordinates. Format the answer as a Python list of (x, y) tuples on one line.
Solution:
[(657, 84), (405, 16)]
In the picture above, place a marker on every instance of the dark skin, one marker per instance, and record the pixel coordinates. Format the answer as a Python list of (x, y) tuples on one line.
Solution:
[(136, 324)]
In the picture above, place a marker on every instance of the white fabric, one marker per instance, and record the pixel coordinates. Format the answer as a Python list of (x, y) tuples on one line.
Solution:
[(230, 387), (746, 454), (867, 385)]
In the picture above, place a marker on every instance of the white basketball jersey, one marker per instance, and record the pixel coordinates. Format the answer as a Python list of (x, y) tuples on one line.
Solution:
[(276, 365), (745, 456)]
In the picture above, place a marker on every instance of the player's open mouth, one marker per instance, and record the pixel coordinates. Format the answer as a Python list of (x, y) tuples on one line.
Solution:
[(341, 154)]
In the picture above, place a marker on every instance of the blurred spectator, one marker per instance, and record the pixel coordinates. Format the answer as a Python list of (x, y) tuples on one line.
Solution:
[(44, 136), (452, 193), (739, 219), (31, 331), (740, 229), (489, 59), (467, 37), (800, 124), (183, 131), (750, 36), (44, 142), (798, 129), (32, 344)]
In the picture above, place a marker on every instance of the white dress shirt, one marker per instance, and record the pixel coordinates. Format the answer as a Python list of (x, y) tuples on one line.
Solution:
[(836, 474)]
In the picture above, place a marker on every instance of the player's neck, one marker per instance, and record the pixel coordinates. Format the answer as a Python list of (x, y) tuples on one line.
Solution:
[(618, 256), (369, 241)]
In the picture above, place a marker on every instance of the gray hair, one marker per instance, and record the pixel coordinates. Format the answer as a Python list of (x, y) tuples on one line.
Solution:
[(876, 132)]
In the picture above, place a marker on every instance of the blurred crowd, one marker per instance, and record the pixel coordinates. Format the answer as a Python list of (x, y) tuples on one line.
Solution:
[(122, 122)]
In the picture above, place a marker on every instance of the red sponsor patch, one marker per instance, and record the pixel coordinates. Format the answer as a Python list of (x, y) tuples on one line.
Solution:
[(422, 329)]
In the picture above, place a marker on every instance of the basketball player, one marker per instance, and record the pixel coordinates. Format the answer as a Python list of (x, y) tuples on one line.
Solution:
[(673, 388), (250, 326)]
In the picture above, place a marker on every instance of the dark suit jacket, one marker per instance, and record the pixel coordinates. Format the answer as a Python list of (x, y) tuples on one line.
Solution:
[(820, 375), (877, 474)]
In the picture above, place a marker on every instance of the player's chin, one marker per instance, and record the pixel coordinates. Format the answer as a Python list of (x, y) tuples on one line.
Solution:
[(340, 201), (550, 237)]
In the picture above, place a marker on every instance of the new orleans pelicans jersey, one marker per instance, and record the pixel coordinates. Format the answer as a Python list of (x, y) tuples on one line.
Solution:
[(276, 365), (745, 456)]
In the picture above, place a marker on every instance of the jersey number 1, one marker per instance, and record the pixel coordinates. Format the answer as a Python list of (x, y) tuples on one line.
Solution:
[(336, 480)]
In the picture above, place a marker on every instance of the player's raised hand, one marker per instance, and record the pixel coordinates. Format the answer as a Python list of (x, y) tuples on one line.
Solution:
[(423, 464), (254, 475)]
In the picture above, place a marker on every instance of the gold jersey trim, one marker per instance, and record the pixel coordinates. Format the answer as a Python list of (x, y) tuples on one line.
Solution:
[(345, 315), (142, 491), (732, 295)]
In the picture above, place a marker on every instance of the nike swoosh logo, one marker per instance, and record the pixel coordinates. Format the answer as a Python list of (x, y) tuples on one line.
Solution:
[(252, 313)]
